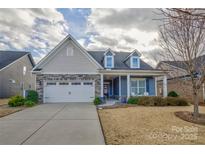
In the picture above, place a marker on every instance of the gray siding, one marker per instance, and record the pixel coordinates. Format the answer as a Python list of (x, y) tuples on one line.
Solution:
[(74, 63), (15, 72)]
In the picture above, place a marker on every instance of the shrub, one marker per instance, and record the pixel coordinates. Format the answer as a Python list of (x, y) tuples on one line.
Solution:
[(97, 101), (133, 100), (29, 103), (145, 100), (158, 101), (16, 101), (176, 101), (151, 101), (172, 94), (32, 96)]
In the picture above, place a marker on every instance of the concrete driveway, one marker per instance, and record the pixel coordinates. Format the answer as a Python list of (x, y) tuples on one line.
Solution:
[(71, 123)]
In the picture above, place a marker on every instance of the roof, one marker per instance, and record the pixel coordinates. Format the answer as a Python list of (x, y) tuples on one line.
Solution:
[(180, 64), (118, 60), (8, 57), (97, 57)]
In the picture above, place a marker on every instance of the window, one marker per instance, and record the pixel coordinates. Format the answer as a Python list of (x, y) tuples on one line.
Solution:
[(12, 81), (63, 83), (69, 51), (87, 83), (24, 70), (109, 61), (75, 83), (138, 87), (135, 62), (51, 83)]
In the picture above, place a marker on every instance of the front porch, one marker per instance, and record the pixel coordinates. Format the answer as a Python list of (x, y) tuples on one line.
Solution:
[(118, 87)]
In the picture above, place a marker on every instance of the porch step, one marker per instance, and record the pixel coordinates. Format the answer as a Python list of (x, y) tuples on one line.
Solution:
[(108, 103)]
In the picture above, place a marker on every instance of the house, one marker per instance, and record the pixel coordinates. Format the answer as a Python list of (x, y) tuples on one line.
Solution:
[(15, 73), (178, 80), (70, 73)]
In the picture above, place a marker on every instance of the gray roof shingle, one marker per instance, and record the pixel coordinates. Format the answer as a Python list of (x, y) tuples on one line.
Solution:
[(200, 62), (7, 57), (118, 60), (179, 64)]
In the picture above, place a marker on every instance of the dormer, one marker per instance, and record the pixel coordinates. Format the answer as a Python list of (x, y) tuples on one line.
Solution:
[(133, 60), (109, 59)]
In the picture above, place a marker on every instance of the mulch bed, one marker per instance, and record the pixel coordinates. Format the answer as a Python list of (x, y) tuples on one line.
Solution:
[(3, 101), (201, 104), (6, 110), (188, 116)]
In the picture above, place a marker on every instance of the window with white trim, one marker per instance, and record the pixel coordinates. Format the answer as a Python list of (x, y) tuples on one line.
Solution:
[(137, 87), (63, 83), (51, 83), (135, 62), (69, 51), (109, 61), (87, 83), (24, 70), (76, 83)]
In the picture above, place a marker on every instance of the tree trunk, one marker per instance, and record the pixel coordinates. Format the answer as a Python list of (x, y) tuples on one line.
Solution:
[(196, 105)]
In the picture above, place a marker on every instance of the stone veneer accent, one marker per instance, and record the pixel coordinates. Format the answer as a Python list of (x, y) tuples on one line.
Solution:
[(42, 78)]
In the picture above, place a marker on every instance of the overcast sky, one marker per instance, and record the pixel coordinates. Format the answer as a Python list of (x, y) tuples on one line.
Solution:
[(39, 30)]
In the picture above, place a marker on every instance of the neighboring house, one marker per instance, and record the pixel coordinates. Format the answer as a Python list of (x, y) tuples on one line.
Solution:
[(15, 73), (69, 73), (178, 80)]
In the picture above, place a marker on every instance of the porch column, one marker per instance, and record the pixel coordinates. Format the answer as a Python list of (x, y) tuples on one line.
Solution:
[(203, 89), (155, 79), (101, 86), (165, 86), (128, 85), (112, 87), (119, 87)]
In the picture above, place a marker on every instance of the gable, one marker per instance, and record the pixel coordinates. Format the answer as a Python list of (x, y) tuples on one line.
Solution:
[(69, 58), (173, 70), (135, 54), (9, 57), (109, 53)]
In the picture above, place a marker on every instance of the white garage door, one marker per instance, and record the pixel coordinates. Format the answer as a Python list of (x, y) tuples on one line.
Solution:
[(61, 92)]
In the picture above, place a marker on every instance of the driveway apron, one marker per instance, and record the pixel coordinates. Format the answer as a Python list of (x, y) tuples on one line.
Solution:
[(68, 123)]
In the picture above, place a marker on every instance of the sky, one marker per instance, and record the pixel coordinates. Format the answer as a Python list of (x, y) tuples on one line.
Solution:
[(40, 30)]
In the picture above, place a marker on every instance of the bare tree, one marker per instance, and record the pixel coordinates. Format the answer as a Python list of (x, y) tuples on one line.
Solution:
[(182, 37)]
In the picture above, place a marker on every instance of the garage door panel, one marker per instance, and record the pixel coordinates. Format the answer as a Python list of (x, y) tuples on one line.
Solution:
[(69, 93)]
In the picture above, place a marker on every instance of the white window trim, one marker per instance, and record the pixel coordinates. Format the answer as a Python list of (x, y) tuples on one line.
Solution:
[(138, 86), (131, 62), (69, 51), (106, 61)]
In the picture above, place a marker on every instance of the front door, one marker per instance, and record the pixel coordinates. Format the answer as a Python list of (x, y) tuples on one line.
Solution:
[(106, 90)]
